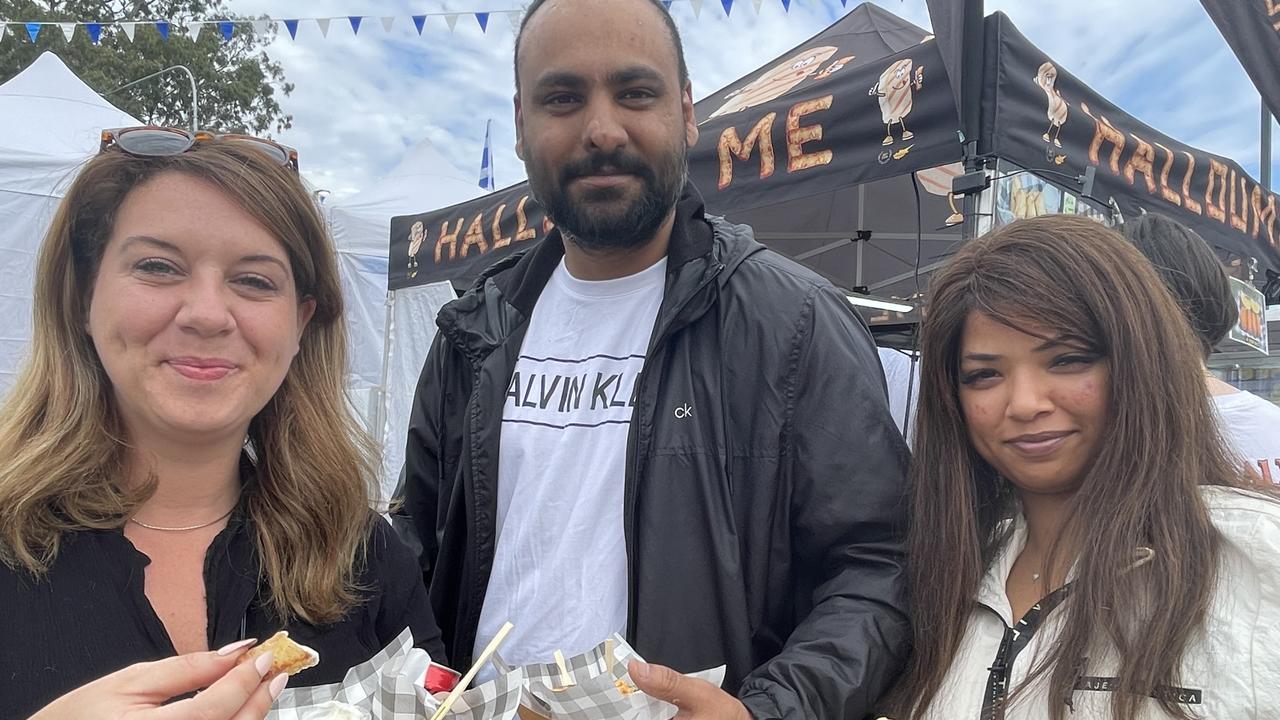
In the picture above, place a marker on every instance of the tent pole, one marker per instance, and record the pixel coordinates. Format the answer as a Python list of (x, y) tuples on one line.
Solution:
[(380, 417), (1265, 166), (972, 63)]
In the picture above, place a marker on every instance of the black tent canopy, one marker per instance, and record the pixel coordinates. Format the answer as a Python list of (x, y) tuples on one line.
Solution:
[(840, 153)]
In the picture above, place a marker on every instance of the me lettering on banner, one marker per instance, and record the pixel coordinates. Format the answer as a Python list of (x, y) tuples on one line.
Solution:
[(1206, 186), (760, 136)]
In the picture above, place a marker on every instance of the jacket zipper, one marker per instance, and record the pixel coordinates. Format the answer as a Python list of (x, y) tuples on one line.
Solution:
[(633, 455)]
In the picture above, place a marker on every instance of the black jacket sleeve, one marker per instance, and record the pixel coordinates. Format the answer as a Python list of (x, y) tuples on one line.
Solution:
[(418, 495), (845, 463), (404, 597)]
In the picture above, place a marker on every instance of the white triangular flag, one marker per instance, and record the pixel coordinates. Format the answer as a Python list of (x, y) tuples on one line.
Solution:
[(261, 27), (697, 8), (3, 27), (323, 24), (193, 30), (129, 29), (452, 20), (68, 30), (387, 22)]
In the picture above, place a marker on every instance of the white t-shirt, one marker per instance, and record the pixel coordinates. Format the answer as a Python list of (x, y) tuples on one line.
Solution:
[(560, 565), (1251, 427), (902, 380)]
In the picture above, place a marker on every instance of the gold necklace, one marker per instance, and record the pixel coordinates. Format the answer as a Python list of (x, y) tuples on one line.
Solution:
[(182, 529)]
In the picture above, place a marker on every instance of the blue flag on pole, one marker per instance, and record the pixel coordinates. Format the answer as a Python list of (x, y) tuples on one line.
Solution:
[(486, 161)]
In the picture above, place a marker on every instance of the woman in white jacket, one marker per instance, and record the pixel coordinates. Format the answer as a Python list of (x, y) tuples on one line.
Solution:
[(1082, 544)]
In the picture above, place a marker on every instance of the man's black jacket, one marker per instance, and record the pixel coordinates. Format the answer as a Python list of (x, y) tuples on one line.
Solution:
[(764, 521)]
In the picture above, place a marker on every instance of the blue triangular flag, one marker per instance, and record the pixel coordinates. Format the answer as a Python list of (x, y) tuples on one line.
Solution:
[(728, 5), (786, 5), (418, 21), (486, 162), (355, 23), (292, 27), (483, 19), (227, 27), (33, 29), (842, 2), (667, 4), (95, 31), (163, 27)]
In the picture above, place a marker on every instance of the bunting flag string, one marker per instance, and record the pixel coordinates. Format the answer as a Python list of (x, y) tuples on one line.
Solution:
[(262, 26)]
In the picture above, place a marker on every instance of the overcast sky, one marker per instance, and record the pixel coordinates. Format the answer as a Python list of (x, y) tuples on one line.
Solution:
[(362, 100)]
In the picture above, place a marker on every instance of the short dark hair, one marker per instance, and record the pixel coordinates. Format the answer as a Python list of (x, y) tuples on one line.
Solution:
[(1192, 272), (657, 4)]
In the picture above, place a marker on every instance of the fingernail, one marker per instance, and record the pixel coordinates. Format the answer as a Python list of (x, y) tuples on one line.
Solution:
[(640, 670), (263, 663), (228, 649), (277, 685)]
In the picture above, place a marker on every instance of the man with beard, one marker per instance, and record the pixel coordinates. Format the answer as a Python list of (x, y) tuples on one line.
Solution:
[(648, 423)]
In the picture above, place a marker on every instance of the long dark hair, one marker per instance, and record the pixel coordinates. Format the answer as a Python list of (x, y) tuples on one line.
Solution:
[(1070, 276)]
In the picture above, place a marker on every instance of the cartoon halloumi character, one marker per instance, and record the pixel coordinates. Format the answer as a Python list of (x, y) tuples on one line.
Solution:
[(416, 235), (1047, 79), (895, 93), (777, 81)]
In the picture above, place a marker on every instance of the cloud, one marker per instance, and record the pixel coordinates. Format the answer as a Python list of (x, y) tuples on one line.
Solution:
[(361, 102)]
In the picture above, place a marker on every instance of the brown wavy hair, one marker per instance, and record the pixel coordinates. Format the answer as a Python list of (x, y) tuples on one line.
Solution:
[(1070, 276), (61, 438)]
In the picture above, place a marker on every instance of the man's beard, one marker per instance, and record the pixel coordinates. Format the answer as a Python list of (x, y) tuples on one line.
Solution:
[(592, 227)]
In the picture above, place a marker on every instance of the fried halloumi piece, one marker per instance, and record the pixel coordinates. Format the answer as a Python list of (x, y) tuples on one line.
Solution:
[(288, 657)]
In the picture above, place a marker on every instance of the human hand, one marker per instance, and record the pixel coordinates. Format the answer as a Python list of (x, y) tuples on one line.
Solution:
[(697, 699), (138, 691)]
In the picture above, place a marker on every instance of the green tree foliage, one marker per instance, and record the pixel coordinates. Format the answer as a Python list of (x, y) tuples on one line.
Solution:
[(237, 83)]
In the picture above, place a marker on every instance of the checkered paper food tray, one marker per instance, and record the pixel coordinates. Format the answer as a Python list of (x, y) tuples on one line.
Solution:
[(382, 687), (597, 690)]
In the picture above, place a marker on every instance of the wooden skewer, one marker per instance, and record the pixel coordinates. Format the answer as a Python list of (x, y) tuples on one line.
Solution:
[(608, 656), (566, 680), (483, 658)]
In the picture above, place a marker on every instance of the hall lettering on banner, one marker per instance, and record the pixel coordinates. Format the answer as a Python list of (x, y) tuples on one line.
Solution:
[(483, 237)]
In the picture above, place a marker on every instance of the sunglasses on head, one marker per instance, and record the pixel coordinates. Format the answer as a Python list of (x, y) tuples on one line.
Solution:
[(154, 141)]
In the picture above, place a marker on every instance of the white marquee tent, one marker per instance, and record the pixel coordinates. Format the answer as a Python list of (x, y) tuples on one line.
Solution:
[(50, 124), (388, 343)]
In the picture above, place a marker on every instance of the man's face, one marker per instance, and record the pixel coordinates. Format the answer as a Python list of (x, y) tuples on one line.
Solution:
[(602, 123)]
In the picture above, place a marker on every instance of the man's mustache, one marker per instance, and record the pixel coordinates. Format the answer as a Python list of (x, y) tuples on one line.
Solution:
[(614, 163)]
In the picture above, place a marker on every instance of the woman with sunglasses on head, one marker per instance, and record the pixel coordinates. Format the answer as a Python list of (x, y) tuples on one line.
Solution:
[(1081, 542), (179, 469)]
